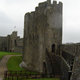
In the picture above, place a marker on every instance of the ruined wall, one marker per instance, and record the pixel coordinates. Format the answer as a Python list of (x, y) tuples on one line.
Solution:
[(76, 66), (15, 43), (11, 43), (71, 53), (69, 48), (68, 52), (3, 44), (42, 29), (19, 45)]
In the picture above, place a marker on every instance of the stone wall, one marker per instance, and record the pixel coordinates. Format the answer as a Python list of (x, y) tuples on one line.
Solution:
[(42, 29), (11, 43), (76, 66), (71, 54), (69, 48), (19, 45), (3, 44)]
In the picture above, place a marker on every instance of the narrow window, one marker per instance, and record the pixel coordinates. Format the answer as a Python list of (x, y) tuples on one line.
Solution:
[(15, 43), (53, 48)]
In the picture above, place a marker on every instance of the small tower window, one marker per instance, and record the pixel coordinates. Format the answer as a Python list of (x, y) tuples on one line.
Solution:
[(53, 48), (15, 42)]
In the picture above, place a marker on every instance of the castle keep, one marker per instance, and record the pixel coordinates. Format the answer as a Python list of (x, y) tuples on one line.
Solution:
[(42, 33), (43, 48), (11, 43)]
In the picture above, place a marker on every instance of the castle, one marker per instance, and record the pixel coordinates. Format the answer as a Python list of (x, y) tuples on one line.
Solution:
[(11, 43), (43, 48), (42, 32)]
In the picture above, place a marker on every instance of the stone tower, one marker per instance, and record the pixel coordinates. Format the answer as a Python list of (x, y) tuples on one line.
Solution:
[(42, 30)]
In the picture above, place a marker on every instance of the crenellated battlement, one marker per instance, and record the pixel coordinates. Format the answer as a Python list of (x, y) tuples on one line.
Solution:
[(48, 1), (54, 2), (46, 8), (44, 5), (42, 30)]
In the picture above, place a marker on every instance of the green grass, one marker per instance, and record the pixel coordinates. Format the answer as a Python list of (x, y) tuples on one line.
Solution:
[(34, 79), (13, 63), (45, 79), (8, 53)]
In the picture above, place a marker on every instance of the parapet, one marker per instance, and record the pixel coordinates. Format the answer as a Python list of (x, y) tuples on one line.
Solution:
[(43, 4), (60, 4), (54, 2), (14, 32), (55, 7), (27, 14), (49, 2)]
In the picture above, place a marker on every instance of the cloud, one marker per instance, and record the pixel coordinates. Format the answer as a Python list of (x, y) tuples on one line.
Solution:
[(5, 24), (4, 18), (12, 14)]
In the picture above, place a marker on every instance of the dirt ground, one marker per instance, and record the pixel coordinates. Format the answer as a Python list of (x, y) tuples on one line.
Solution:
[(3, 66)]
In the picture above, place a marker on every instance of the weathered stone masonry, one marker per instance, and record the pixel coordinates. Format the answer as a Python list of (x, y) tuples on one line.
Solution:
[(71, 54), (43, 48), (42, 30), (3, 44), (11, 43)]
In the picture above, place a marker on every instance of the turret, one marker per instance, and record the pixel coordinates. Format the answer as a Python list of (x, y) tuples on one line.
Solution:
[(54, 2), (49, 1)]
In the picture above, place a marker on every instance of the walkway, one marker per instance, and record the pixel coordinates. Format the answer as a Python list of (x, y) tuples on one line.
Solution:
[(3, 66)]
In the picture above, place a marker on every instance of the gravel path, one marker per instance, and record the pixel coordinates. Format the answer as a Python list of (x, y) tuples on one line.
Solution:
[(3, 66)]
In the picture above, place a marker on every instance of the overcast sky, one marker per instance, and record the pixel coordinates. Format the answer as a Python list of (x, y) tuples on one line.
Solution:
[(12, 14)]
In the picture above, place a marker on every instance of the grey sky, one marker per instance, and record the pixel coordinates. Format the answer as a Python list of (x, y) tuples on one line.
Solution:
[(12, 14)]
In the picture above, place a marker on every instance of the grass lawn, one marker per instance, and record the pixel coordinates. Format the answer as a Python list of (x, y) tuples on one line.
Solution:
[(45, 79), (35, 79), (8, 53), (13, 63)]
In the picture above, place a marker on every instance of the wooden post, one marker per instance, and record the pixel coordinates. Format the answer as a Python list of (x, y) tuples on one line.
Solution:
[(17, 77), (12, 77)]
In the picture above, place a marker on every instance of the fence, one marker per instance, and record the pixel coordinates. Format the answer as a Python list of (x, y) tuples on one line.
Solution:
[(21, 75)]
